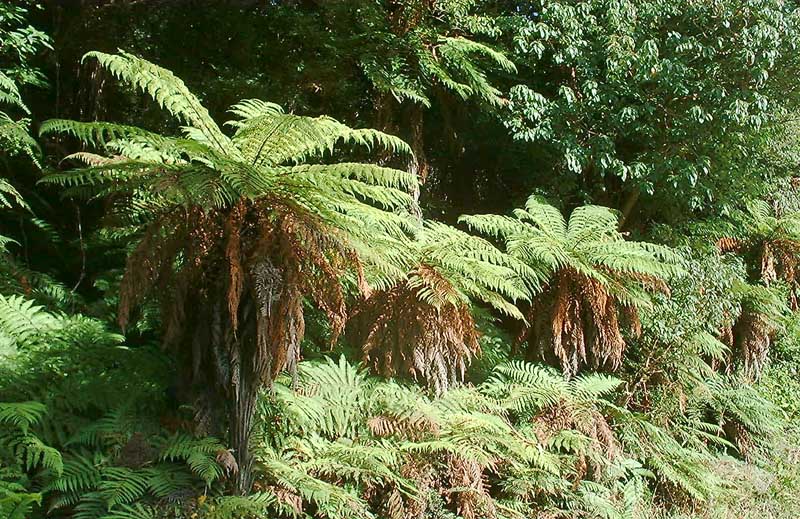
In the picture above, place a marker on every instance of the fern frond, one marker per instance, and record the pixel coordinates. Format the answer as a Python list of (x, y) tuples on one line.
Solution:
[(21, 414), (15, 139), (95, 134), (166, 89), (9, 93)]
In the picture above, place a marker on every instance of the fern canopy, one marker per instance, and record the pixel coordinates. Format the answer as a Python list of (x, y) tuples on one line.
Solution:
[(588, 279)]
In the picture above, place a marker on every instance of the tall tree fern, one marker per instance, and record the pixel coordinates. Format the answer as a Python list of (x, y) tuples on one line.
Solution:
[(595, 279), (236, 230)]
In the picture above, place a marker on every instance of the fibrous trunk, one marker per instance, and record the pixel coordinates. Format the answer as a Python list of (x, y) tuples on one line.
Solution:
[(752, 336), (231, 287)]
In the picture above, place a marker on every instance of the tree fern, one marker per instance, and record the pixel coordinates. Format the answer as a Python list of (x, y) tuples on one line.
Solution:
[(587, 265), (421, 324), (278, 226), (750, 337), (769, 239)]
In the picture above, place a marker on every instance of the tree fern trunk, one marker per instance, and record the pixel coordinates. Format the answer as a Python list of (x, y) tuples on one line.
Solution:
[(244, 385), (241, 424)]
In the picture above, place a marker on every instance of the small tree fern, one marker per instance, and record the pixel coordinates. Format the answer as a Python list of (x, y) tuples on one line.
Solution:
[(595, 279), (421, 324), (770, 240), (750, 337)]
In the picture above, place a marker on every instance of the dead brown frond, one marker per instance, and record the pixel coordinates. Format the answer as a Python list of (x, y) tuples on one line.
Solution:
[(232, 285), (469, 490), (580, 322), (752, 338), (728, 244), (565, 416), (425, 479), (418, 331)]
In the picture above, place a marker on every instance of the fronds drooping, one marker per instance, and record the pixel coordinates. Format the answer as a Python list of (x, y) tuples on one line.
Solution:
[(595, 280), (422, 324)]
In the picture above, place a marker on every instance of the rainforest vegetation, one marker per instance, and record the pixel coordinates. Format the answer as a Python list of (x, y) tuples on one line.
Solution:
[(399, 259)]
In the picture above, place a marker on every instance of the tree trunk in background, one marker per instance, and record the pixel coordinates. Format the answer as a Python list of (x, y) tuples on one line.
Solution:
[(628, 206), (415, 121)]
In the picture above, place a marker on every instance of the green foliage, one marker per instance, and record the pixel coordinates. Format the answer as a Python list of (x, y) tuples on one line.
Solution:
[(414, 50), (669, 100), (21, 453), (113, 457), (474, 267), (335, 433), (20, 42)]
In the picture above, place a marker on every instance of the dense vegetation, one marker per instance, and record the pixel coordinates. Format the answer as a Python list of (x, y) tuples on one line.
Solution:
[(399, 259)]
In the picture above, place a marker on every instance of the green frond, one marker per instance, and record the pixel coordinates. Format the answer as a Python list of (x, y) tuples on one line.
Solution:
[(21, 415), (10, 196), (96, 134), (167, 480), (136, 511), (252, 108), (470, 46), (80, 474), (594, 386), (366, 173), (546, 217), (9, 93), (15, 502), (200, 454), (592, 222), (497, 226), (527, 388), (256, 505), (275, 138), (166, 89), (709, 345), (333, 180), (22, 321), (122, 486), (15, 139)]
